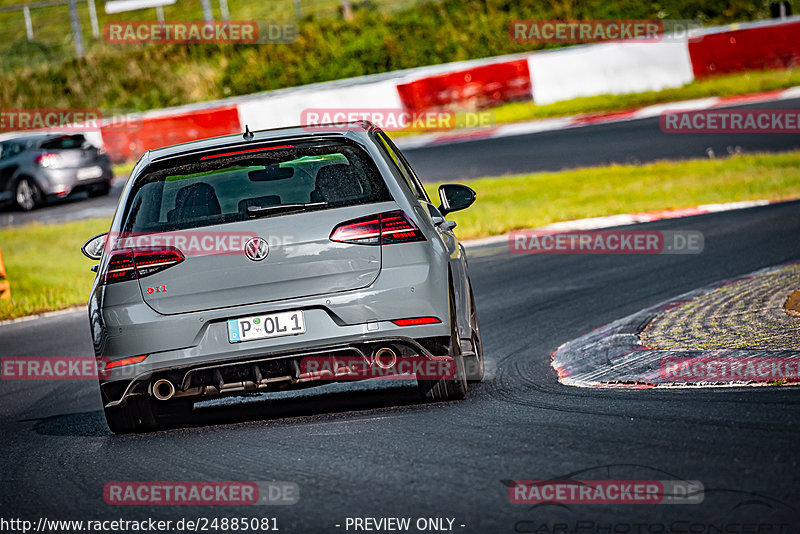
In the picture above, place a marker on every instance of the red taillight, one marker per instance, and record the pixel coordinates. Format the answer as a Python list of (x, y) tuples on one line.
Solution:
[(130, 264), (48, 159), (126, 361), (152, 261), (364, 231), (120, 267), (381, 229), (416, 321)]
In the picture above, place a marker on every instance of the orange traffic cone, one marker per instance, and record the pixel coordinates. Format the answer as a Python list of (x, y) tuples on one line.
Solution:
[(5, 286), (792, 305)]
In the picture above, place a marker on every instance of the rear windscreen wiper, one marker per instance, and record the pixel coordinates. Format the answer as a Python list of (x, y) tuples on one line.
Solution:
[(265, 211)]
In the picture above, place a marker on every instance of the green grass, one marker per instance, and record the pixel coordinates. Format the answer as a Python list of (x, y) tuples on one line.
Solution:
[(726, 85), (61, 277), (45, 266), (533, 200), (123, 169)]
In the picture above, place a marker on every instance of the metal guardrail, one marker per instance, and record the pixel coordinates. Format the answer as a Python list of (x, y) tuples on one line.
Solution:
[(73, 15)]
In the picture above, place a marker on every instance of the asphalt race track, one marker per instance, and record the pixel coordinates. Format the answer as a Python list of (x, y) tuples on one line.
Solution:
[(637, 141), (73, 208), (375, 452)]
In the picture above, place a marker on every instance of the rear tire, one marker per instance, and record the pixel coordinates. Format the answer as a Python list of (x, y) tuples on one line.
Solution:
[(448, 389), (474, 364), (142, 413), (27, 194), (135, 414), (100, 190)]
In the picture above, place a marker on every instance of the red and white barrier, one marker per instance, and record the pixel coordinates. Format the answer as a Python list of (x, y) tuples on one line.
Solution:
[(773, 46), (166, 129), (284, 108), (479, 87), (608, 68)]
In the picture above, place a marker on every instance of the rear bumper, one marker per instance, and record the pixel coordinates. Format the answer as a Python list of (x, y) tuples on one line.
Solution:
[(275, 371), (61, 182), (127, 327)]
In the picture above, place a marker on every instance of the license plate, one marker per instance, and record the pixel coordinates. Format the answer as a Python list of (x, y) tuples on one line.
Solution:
[(90, 172), (263, 326)]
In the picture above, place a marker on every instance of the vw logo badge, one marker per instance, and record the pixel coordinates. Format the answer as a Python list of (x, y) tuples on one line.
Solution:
[(256, 249)]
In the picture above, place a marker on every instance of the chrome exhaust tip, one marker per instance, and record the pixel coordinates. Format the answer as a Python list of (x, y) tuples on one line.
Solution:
[(163, 389), (385, 358)]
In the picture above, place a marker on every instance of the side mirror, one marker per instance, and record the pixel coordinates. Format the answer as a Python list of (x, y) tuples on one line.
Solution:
[(93, 249), (455, 197)]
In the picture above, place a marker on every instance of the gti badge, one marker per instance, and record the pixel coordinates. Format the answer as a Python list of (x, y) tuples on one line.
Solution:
[(256, 249)]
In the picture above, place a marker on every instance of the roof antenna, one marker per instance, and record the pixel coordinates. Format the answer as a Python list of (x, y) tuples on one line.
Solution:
[(247, 133)]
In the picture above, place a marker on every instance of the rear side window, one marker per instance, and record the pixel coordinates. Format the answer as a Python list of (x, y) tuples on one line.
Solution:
[(9, 150), (404, 168), (213, 190)]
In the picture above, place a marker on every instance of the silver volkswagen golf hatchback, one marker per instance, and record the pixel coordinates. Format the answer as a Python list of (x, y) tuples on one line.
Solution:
[(275, 260)]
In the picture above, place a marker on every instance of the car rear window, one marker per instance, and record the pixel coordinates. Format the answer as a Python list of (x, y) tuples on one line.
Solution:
[(217, 189), (65, 141)]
